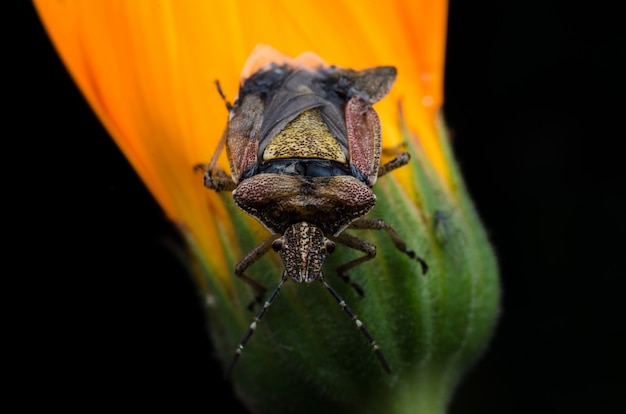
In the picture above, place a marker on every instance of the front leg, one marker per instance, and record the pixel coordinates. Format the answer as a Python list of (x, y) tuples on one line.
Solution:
[(252, 257), (357, 244)]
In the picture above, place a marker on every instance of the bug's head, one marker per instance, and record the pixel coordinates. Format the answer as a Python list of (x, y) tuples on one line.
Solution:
[(303, 249)]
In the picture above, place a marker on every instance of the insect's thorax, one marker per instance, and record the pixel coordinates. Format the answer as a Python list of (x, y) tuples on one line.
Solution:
[(305, 176)]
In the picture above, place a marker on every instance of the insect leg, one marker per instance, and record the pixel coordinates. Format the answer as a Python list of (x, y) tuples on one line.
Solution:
[(229, 106), (400, 161), (366, 333), (378, 224), (357, 244), (214, 178), (252, 326), (248, 260)]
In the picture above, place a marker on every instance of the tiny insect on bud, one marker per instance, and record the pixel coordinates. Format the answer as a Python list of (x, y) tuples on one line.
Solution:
[(304, 147)]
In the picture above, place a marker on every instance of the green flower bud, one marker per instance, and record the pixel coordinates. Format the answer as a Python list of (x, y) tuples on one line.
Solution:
[(307, 356)]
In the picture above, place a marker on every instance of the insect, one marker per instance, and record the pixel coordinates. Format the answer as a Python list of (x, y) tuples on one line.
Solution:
[(304, 148)]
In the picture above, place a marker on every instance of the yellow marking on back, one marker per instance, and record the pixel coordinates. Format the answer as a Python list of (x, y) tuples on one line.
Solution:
[(307, 136)]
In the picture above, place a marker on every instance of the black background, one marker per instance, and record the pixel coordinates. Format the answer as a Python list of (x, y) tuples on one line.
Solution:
[(533, 94)]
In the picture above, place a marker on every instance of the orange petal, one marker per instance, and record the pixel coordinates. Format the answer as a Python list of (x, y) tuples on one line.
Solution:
[(147, 69)]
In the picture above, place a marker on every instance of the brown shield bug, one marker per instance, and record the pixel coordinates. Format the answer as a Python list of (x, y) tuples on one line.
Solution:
[(304, 147)]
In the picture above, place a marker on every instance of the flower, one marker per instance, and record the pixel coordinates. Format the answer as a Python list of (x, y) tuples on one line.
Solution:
[(147, 69)]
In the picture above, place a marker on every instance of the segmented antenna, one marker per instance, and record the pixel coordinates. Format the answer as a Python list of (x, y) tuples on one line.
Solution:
[(366, 333), (252, 326)]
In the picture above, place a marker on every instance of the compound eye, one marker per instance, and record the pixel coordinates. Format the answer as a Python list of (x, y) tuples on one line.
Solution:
[(330, 246), (277, 245)]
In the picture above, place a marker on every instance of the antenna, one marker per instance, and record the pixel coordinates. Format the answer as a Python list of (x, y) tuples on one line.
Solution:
[(252, 326), (366, 333)]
